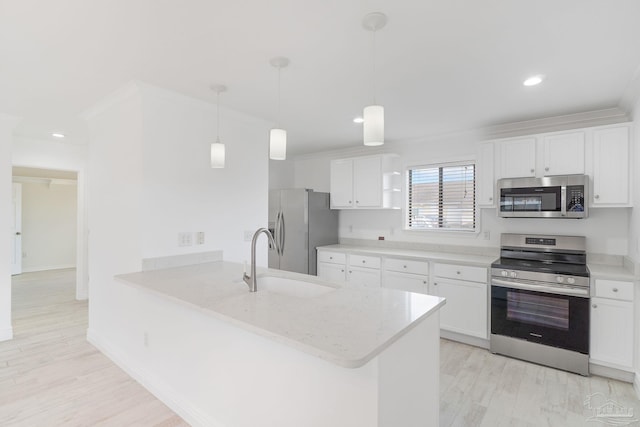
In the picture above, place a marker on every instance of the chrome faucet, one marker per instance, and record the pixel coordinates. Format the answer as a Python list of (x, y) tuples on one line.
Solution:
[(251, 280)]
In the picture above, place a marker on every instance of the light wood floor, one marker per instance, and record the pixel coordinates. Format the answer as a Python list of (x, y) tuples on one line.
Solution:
[(50, 376)]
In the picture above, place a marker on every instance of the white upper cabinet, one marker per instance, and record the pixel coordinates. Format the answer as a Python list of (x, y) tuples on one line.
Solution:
[(367, 182), (610, 167), (518, 157), (563, 153), (543, 155), (485, 173), (370, 182)]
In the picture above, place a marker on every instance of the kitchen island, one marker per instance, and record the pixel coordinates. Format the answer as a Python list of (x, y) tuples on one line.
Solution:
[(285, 355)]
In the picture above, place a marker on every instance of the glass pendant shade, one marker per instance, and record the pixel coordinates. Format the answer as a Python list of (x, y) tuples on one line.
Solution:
[(278, 144), (217, 154), (373, 126)]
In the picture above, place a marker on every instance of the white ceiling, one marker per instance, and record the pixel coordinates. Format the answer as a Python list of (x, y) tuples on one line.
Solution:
[(443, 65)]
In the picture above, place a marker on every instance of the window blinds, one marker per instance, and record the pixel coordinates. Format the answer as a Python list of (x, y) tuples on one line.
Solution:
[(442, 197)]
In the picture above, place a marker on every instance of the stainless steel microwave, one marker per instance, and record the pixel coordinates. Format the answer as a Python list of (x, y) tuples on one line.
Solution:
[(549, 197)]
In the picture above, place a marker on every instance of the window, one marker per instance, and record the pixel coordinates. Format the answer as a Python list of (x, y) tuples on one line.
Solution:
[(442, 197)]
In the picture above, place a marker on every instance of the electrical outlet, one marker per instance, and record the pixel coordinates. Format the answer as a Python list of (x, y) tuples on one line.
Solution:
[(487, 235), (200, 238), (185, 239)]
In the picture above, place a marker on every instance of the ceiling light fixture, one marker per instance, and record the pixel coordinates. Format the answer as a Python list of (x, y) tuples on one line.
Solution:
[(533, 80), (57, 135), (373, 129), (217, 148), (358, 120), (278, 136)]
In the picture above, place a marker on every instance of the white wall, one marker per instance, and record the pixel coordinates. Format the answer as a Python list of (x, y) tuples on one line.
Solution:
[(607, 230), (281, 174), (151, 179), (48, 226), (7, 124)]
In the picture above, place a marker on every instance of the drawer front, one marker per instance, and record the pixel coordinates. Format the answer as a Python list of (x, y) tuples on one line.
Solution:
[(364, 261), (461, 272), (406, 266), (332, 257), (614, 289)]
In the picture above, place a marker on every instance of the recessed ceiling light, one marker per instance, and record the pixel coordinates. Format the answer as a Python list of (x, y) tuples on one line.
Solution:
[(358, 120), (533, 80), (57, 135)]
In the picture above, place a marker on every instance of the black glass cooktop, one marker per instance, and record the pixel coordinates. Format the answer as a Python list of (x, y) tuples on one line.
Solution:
[(541, 266)]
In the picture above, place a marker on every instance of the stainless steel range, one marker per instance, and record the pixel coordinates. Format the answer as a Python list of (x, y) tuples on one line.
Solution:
[(540, 301)]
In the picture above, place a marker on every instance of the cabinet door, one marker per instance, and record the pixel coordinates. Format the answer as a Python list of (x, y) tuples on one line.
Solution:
[(563, 153), (612, 332), (465, 311), (341, 185), (367, 178), (611, 167), (486, 177), (518, 158), (364, 276), (331, 272), (406, 282)]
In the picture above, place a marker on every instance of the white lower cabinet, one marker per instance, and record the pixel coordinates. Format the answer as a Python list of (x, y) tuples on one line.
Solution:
[(612, 334), (406, 275), (353, 269), (465, 311)]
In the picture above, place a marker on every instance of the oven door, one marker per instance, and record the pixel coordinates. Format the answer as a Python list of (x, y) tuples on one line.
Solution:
[(546, 318)]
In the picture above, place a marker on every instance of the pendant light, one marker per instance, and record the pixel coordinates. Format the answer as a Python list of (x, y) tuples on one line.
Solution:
[(278, 136), (373, 126), (217, 148)]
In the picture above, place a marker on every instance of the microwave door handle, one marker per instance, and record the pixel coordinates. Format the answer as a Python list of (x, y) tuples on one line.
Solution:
[(563, 200)]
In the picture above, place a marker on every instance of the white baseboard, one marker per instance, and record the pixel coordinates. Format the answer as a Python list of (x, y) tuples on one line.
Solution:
[(153, 384), (619, 374), (6, 334), (47, 267), (465, 339), (636, 384)]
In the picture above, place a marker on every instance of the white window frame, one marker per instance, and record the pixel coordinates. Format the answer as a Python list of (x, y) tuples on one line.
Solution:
[(406, 209)]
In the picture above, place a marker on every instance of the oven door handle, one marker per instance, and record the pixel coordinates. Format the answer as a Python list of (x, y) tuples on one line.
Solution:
[(540, 288)]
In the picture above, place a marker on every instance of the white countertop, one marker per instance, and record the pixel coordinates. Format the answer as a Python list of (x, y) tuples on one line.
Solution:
[(613, 272), (348, 326), (458, 257)]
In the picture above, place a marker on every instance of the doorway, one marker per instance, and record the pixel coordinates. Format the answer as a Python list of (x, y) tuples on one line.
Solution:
[(49, 217)]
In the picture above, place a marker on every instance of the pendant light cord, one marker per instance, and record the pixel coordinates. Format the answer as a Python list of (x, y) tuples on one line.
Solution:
[(374, 67), (278, 116), (218, 117)]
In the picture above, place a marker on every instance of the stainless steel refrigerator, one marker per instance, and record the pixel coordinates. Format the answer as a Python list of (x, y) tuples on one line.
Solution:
[(300, 220)]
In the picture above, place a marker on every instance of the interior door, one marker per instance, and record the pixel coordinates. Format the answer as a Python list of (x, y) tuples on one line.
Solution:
[(16, 240)]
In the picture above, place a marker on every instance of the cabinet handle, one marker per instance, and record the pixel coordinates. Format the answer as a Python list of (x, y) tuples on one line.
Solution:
[(595, 306), (615, 289), (457, 272), (330, 257), (425, 282), (341, 271), (490, 199), (363, 261), (533, 170), (596, 196), (546, 169), (357, 201), (434, 284), (350, 271), (404, 266)]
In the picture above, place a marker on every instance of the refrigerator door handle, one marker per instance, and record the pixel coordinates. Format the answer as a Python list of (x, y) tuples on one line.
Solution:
[(282, 231), (276, 234)]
